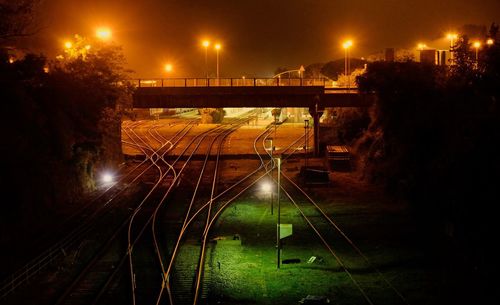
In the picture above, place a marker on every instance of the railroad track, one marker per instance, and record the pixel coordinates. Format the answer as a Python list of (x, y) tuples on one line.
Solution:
[(167, 258), (331, 235), (102, 276), (86, 219)]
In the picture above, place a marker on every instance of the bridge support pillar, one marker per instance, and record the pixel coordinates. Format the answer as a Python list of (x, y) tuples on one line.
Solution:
[(316, 113)]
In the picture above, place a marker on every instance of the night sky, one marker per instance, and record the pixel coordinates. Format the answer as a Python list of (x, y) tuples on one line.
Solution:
[(259, 35)]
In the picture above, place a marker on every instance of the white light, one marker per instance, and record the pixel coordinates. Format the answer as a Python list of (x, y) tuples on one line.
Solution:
[(107, 178), (266, 187)]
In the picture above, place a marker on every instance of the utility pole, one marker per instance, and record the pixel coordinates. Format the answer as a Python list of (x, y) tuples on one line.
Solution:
[(306, 136), (278, 237), (272, 161)]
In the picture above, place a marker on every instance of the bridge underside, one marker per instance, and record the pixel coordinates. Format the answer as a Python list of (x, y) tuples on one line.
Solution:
[(221, 97), (316, 98)]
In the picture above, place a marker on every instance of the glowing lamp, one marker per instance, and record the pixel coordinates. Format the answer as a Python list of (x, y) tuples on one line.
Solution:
[(347, 44), (103, 33), (107, 178)]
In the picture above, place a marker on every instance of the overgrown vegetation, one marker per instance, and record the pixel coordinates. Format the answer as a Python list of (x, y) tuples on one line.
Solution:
[(212, 115), (61, 122), (433, 139)]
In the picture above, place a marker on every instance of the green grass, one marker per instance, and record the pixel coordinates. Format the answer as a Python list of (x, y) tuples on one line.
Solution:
[(248, 272)]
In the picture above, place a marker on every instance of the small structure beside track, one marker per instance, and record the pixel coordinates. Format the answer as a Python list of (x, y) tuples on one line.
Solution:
[(338, 158)]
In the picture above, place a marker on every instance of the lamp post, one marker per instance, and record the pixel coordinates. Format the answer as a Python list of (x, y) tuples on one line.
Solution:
[(272, 160), (347, 45), (452, 37), (217, 49), (278, 237), (477, 45), (206, 44), (275, 126), (168, 69)]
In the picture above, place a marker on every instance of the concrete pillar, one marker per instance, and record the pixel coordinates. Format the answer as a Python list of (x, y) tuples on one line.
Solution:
[(316, 113)]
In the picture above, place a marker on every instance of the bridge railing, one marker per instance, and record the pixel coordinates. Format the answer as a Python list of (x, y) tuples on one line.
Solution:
[(235, 82)]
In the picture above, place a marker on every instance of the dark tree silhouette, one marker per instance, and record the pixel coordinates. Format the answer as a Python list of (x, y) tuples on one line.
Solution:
[(432, 140), (16, 19)]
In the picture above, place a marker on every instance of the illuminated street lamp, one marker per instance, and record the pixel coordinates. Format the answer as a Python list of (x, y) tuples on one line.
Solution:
[(490, 41), (347, 45), (107, 178), (477, 45), (206, 44), (168, 68), (68, 44), (421, 46), (217, 49), (452, 37), (103, 33)]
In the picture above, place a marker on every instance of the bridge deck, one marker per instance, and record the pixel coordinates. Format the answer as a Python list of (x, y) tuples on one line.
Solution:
[(218, 93)]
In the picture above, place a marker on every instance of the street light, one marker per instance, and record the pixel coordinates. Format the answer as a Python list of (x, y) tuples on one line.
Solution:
[(103, 33), (217, 49), (107, 178), (168, 68), (422, 46), (206, 44), (490, 41), (477, 45), (347, 45), (452, 37)]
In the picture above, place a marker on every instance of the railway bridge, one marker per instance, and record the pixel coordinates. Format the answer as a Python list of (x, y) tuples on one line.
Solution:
[(314, 94)]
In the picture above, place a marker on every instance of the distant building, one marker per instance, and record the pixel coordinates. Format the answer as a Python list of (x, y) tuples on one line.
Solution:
[(392, 54), (389, 54), (443, 57), (428, 56), (433, 56)]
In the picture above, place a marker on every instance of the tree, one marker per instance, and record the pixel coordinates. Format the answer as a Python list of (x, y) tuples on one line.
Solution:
[(64, 118), (280, 70), (432, 141), (334, 68), (463, 60), (16, 19), (313, 70), (212, 115), (101, 92)]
